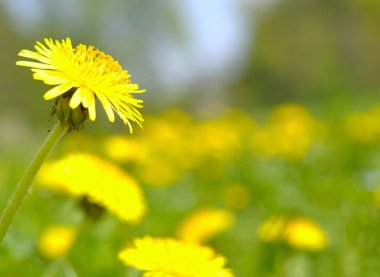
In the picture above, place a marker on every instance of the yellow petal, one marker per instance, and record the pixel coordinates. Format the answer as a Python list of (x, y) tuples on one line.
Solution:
[(41, 49), (35, 65), (87, 95), (91, 110), (49, 43), (57, 91), (36, 56), (76, 99), (107, 107), (53, 81), (68, 43)]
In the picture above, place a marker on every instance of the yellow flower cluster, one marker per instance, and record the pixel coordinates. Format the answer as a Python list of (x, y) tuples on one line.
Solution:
[(204, 224), (165, 257), (290, 132), (56, 240), (101, 182), (174, 143), (298, 232), (364, 127)]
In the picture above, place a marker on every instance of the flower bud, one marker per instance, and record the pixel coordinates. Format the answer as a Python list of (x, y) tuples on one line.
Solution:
[(75, 118)]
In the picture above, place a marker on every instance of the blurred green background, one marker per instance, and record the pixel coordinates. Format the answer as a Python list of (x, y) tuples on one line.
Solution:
[(318, 158)]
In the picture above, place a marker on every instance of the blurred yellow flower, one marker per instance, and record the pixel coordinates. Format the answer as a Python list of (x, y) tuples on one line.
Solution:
[(204, 224), (207, 145), (173, 144), (84, 73), (56, 240), (218, 139), (102, 182), (173, 128), (304, 233), (171, 258), (167, 156), (289, 133), (298, 232), (364, 127)]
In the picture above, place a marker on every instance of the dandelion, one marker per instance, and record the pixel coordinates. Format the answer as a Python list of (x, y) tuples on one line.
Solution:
[(171, 258), (290, 133), (154, 163), (81, 74), (204, 224), (297, 232), (101, 182), (364, 127), (224, 148), (56, 240), (304, 233)]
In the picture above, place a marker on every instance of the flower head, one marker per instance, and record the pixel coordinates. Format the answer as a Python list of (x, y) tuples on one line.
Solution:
[(84, 73), (297, 232), (304, 233), (171, 258), (101, 182), (56, 240), (204, 224), (290, 133), (364, 127)]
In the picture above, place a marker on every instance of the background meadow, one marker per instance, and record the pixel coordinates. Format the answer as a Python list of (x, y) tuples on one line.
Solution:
[(261, 137)]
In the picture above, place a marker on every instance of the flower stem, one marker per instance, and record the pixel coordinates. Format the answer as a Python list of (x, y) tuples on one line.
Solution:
[(23, 186)]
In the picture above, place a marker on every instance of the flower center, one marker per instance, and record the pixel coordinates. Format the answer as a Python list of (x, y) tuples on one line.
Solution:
[(97, 59)]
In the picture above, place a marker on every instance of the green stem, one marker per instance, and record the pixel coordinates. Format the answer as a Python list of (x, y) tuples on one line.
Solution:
[(25, 183)]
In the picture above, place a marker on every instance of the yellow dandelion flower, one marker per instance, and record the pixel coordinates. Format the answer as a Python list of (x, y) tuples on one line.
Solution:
[(56, 240), (364, 127), (298, 232), (102, 182), (84, 73), (272, 229), (305, 234), (290, 133), (294, 130), (172, 258), (204, 224), (224, 148)]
